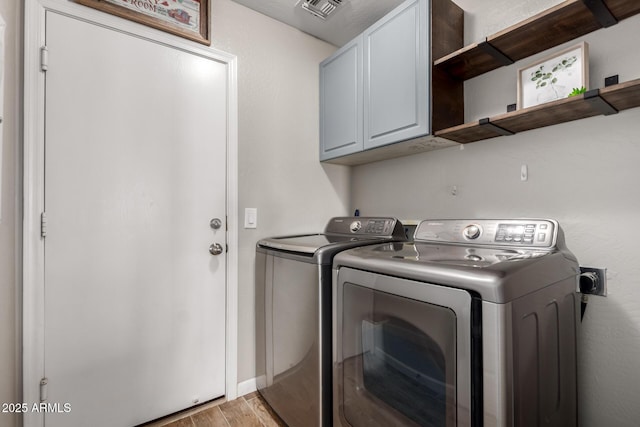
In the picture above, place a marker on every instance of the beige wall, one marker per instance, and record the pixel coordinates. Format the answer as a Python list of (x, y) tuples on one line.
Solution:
[(278, 143), (11, 11), (585, 174)]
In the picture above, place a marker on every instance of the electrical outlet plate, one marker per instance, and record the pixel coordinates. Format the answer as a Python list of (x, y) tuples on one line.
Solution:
[(600, 283)]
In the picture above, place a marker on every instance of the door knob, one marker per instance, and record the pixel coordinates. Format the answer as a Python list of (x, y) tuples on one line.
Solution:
[(216, 249), (215, 223)]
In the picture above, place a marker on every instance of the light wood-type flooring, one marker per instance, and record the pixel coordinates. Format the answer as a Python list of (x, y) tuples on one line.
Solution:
[(246, 411)]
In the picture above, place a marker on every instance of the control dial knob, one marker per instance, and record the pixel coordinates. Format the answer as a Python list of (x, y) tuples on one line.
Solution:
[(472, 231), (355, 226)]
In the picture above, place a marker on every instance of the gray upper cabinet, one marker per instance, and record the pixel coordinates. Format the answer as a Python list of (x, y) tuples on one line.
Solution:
[(396, 76), (341, 102), (377, 92)]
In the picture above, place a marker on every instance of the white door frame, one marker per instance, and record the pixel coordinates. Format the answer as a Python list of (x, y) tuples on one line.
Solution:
[(34, 131)]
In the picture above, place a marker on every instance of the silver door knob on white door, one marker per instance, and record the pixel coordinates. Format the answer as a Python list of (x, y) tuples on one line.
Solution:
[(216, 249)]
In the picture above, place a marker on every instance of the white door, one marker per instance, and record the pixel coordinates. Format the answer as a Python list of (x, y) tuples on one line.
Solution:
[(135, 158)]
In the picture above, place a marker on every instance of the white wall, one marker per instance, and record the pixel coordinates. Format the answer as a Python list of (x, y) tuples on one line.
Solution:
[(9, 225), (278, 143), (483, 18), (584, 174)]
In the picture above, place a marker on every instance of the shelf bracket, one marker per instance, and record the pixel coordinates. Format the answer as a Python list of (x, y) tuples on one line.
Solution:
[(599, 104), (601, 12), (486, 123), (611, 80), (496, 53)]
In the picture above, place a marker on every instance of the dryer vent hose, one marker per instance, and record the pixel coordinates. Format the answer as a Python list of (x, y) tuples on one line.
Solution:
[(583, 305)]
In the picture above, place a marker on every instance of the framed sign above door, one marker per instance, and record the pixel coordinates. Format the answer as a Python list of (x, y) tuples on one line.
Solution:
[(185, 18)]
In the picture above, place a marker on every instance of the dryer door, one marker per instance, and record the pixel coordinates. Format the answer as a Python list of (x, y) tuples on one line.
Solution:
[(402, 352)]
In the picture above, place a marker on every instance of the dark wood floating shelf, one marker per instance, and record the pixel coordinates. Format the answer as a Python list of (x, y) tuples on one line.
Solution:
[(552, 27), (608, 100)]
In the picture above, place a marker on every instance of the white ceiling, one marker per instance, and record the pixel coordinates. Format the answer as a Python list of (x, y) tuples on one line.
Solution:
[(347, 21)]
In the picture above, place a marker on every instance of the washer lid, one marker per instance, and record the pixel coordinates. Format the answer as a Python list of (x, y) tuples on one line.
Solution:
[(306, 243), (496, 274)]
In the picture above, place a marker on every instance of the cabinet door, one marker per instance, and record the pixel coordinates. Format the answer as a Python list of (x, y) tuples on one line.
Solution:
[(396, 76), (341, 102)]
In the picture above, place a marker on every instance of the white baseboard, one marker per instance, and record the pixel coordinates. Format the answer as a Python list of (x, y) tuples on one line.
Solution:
[(246, 387)]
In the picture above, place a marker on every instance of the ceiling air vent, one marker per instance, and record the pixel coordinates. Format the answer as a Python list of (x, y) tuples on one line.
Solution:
[(320, 8)]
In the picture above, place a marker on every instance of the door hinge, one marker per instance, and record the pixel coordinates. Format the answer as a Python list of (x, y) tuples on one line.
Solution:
[(43, 389), (44, 58), (43, 224)]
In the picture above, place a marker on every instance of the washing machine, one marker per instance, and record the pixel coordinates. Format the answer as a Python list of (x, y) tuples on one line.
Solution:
[(474, 323), (293, 314)]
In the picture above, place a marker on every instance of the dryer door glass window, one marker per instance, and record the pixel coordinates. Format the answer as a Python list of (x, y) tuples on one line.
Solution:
[(399, 360)]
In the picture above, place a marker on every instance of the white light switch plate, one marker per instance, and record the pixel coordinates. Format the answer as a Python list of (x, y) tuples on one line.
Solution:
[(250, 217)]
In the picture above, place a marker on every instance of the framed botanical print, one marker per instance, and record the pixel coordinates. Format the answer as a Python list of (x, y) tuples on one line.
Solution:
[(555, 77)]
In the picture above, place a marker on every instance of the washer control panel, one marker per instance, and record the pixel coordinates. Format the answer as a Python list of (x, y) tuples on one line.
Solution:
[(539, 233), (364, 226)]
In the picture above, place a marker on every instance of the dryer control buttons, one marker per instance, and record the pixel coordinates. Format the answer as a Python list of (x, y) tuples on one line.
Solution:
[(355, 226), (472, 231)]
